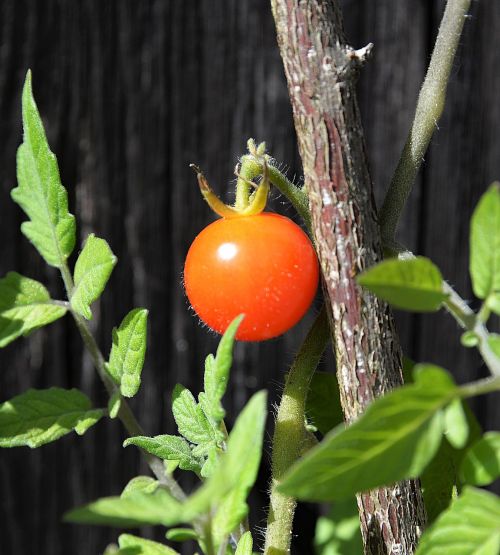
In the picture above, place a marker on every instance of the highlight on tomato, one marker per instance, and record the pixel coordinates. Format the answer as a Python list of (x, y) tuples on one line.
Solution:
[(250, 262)]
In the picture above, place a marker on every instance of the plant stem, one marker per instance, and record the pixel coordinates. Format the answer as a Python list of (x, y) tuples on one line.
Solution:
[(429, 109), (466, 317), (125, 413), (480, 387), (289, 434)]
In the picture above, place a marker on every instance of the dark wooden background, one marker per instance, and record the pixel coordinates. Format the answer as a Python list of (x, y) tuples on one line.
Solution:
[(131, 92)]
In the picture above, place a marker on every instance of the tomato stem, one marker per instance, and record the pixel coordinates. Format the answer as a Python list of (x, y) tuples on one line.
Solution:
[(252, 167), (290, 434), (125, 413)]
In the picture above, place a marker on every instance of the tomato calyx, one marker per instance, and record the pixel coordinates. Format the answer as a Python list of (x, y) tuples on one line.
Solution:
[(248, 202)]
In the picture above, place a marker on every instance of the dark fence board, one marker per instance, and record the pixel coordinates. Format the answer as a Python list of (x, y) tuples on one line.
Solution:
[(131, 93)]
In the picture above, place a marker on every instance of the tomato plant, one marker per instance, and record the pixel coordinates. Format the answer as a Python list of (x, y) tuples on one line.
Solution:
[(263, 266)]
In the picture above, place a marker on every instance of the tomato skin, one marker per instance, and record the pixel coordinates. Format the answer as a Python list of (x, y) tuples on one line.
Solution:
[(263, 266)]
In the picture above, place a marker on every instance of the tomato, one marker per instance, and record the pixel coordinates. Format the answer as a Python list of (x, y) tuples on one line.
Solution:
[(263, 266)]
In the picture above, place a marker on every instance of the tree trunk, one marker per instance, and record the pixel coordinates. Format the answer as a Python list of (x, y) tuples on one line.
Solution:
[(321, 71)]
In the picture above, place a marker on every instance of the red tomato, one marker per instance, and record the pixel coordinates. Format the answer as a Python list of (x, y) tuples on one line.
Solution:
[(263, 266)]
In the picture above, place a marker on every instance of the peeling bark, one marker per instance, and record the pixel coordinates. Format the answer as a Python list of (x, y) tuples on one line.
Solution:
[(321, 71)]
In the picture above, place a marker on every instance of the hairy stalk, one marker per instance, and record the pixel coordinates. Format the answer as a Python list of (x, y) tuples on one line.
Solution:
[(290, 434), (125, 413), (480, 387), (429, 109), (252, 168), (466, 317)]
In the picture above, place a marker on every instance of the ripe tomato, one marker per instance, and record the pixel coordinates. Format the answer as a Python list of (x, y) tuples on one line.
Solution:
[(263, 266)]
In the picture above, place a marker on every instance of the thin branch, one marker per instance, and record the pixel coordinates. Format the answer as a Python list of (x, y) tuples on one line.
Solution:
[(125, 413), (290, 433), (470, 321), (429, 109)]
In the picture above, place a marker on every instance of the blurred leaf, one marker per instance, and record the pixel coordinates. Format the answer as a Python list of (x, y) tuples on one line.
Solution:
[(456, 425), (92, 270), (484, 262), (142, 484), (128, 351), (339, 532), (131, 511), (414, 284), (114, 404), (146, 547), (167, 447), (494, 343), (181, 534), (481, 464), (469, 339), (231, 511), (395, 438), (40, 193), (25, 305), (440, 480), (245, 545), (493, 302), (323, 402), (39, 416), (470, 525)]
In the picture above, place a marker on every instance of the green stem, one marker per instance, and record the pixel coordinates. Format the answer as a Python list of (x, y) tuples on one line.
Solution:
[(125, 413), (466, 317), (488, 385), (289, 434), (429, 109)]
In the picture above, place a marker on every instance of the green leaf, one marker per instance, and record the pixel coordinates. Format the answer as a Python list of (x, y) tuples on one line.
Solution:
[(231, 511), (493, 302), (25, 305), (145, 547), (181, 534), (481, 464), (494, 343), (40, 193), (470, 525), (456, 425), (394, 439), (440, 480), (131, 511), (190, 418), (339, 533), (114, 404), (168, 447), (414, 284), (142, 484), (211, 461), (323, 402), (484, 262), (245, 545), (92, 270), (469, 339), (39, 416), (238, 466), (217, 373), (128, 351)]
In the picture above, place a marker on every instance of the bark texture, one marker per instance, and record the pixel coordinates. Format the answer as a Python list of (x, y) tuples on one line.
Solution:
[(321, 71)]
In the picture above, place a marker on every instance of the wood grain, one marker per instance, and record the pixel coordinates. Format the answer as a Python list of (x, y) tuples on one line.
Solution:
[(131, 93)]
